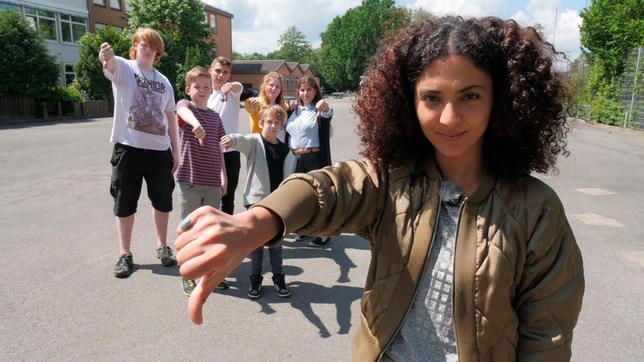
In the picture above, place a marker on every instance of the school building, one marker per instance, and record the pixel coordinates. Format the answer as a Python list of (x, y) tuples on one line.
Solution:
[(62, 23), (250, 73)]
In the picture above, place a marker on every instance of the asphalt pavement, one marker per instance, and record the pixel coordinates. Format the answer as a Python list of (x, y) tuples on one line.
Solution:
[(60, 301)]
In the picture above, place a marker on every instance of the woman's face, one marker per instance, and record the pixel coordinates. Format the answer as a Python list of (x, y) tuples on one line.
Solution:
[(306, 93), (272, 89), (453, 105)]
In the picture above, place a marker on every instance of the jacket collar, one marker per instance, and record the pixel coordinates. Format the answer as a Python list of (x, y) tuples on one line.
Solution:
[(484, 189)]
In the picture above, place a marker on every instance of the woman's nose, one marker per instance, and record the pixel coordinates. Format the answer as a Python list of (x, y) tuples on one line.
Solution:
[(449, 116)]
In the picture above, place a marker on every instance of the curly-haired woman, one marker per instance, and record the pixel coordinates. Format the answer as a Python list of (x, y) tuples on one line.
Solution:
[(472, 258)]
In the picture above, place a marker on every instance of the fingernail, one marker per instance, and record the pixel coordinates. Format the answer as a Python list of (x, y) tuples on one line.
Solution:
[(186, 223)]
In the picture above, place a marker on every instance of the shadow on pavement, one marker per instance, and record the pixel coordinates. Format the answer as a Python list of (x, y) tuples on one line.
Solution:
[(159, 269), (19, 124), (303, 294)]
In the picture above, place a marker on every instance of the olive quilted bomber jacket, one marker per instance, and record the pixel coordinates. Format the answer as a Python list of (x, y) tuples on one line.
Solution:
[(518, 270)]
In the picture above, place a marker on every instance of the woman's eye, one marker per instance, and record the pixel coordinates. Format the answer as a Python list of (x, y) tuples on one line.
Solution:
[(430, 98), (471, 96)]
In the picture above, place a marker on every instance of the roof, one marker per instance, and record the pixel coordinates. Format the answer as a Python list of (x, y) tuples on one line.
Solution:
[(216, 10), (291, 65), (305, 67), (256, 66)]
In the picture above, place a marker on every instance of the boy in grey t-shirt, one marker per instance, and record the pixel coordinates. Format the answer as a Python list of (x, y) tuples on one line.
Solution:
[(146, 141)]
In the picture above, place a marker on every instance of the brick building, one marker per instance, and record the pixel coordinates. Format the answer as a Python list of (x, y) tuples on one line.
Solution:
[(250, 73)]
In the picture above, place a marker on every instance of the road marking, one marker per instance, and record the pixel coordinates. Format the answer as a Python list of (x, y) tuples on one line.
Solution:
[(598, 220), (635, 256), (595, 191)]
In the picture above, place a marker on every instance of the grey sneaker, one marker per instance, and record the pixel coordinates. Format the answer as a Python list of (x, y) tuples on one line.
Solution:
[(223, 285), (124, 266), (280, 285), (255, 290), (318, 241), (188, 286), (164, 254)]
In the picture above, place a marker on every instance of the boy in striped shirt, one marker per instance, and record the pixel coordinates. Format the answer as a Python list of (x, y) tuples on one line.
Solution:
[(202, 172)]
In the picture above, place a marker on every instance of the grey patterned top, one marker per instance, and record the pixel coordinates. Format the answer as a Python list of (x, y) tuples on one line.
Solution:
[(427, 332)]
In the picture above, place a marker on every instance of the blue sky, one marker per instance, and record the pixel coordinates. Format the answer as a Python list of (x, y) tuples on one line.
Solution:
[(258, 24)]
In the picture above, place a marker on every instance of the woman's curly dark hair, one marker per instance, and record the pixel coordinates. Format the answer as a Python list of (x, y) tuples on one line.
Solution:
[(527, 127)]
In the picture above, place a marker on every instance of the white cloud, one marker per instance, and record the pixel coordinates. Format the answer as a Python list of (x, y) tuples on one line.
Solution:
[(544, 12), (258, 25), (466, 8)]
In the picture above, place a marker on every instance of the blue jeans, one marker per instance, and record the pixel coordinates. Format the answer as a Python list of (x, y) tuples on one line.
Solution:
[(274, 254)]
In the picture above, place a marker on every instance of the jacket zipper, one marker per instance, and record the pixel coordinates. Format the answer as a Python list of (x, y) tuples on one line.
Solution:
[(460, 215), (421, 277)]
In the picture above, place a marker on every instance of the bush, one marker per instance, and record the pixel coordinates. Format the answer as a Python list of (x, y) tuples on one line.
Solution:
[(67, 97), (605, 108)]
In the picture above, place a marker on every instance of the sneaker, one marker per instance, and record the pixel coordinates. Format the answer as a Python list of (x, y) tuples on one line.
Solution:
[(280, 285), (188, 286), (223, 285), (124, 266), (164, 253), (255, 290), (318, 241)]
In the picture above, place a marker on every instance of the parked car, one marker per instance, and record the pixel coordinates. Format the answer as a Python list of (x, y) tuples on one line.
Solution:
[(248, 92)]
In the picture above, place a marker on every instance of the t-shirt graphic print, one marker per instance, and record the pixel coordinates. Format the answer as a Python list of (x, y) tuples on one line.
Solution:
[(141, 106), (146, 113)]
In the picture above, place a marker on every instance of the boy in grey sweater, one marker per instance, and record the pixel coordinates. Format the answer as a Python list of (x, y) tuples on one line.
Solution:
[(268, 161)]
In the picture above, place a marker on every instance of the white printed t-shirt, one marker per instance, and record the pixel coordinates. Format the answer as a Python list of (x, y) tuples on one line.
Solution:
[(228, 110), (141, 99)]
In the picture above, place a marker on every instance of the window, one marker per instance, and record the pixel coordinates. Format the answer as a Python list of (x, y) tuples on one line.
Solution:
[(69, 74), (118, 28), (6, 6), (99, 2), (115, 4), (72, 28), (213, 23), (44, 21), (291, 83), (99, 26)]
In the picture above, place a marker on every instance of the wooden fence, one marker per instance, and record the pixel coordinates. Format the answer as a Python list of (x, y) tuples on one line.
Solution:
[(17, 107), (25, 108)]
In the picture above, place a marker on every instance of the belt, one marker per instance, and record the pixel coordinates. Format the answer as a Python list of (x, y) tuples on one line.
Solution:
[(303, 151)]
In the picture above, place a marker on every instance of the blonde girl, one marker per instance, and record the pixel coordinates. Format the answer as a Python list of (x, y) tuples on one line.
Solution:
[(271, 92)]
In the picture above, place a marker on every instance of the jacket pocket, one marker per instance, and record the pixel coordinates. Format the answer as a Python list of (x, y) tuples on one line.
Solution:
[(376, 301)]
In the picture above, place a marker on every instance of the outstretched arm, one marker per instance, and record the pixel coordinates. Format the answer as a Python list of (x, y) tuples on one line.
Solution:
[(186, 115), (106, 56), (211, 244)]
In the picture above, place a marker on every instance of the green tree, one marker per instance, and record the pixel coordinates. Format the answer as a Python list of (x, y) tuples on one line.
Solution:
[(293, 46), (89, 70), (26, 68), (349, 42), (249, 56), (182, 25), (609, 29), (420, 15), (194, 56)]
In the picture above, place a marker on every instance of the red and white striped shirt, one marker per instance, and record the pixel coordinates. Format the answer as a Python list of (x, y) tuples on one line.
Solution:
[(200, 164)]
